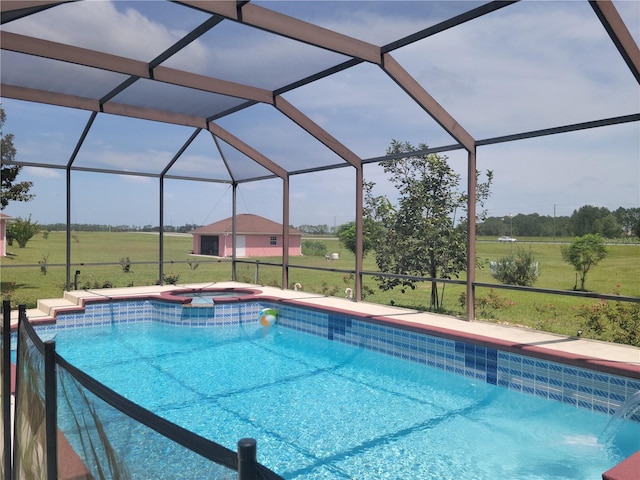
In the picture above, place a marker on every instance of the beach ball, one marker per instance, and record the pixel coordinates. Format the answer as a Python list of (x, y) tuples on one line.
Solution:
[(267, 317)]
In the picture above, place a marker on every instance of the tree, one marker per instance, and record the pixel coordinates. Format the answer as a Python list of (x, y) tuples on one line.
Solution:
[(608, 226), (11, 190), (588, 219), (347, 235), (492, 226), (425, 234), (22, 230), (629, 219), (585, 252)]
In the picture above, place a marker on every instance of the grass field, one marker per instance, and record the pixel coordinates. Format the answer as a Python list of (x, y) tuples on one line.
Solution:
[(46, 255)]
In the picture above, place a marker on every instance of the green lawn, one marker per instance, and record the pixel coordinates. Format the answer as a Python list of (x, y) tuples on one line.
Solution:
[(555, 313)]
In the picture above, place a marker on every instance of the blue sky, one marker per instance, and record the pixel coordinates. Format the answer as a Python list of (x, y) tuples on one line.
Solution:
[(534, 65)]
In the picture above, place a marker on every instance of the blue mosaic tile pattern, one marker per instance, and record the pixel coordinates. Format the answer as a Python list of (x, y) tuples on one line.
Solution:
[(97, 314), (579, 387)]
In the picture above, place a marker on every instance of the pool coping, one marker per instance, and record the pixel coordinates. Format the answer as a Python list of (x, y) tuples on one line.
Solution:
[(573, 350), (626, 470)]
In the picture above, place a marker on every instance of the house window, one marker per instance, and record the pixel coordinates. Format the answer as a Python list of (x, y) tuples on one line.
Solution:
[(273, 241)]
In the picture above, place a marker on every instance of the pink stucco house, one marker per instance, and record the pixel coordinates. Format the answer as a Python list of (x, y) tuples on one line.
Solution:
[(255, 237), (3, 234)]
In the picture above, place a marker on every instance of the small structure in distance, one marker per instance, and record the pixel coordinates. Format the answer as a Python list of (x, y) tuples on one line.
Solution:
[(256, 236)]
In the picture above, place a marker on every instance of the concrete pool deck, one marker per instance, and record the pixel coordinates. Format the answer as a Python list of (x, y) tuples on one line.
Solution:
[(579, 350)]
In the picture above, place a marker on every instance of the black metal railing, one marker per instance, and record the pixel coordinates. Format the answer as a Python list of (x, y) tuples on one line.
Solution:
[(258, 264), (497, 286), (5, 398)]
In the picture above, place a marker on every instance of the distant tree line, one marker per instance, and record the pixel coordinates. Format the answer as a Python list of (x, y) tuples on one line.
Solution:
[(585, 220), (316, 229), (623, 222), (93, 227), (187, 228)]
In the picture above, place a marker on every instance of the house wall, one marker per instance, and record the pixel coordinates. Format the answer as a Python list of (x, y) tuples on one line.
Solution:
[(255, 246), (3, 238), (258, 246)]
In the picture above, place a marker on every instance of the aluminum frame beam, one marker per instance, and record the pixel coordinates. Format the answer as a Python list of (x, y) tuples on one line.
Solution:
[(619, 33)]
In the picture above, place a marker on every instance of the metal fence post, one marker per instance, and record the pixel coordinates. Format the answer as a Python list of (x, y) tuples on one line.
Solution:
[(51, 409), (247, 463), (6, 387), (22, 317), (257, 272)]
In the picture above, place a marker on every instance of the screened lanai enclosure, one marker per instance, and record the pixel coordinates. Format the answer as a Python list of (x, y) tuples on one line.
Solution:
[(124, 106)]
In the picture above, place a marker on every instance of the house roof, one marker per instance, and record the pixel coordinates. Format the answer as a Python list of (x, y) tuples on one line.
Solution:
[(4, 216), (246, 224)]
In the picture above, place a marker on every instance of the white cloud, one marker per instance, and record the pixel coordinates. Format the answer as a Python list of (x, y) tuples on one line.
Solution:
[(531, 65), (135, 179), (597, 167), (129, 161), (37, 172), (99, 25), (197, 164)]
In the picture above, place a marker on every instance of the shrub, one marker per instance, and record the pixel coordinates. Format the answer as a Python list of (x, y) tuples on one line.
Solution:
[(328, 290), (488, 304), (95, 284), (314, 248), (125, 263), (44, 260), (611, 321), (520, 268), (170, 278), (7, 289)]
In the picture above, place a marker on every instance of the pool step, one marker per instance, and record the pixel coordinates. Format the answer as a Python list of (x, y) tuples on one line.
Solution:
[(47, 307), (45, 310)]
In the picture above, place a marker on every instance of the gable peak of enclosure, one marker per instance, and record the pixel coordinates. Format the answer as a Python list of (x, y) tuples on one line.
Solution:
[(234, 92)]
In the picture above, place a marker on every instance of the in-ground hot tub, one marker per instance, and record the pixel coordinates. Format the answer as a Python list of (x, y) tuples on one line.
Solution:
[(211, 295)]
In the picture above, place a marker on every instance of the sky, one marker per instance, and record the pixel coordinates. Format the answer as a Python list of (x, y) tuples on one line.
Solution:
[(529, 66)]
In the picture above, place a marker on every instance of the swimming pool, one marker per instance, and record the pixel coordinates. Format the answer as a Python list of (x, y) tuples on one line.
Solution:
[(333, 407)]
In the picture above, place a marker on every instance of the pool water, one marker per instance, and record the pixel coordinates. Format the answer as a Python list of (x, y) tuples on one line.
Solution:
[(323, 410)]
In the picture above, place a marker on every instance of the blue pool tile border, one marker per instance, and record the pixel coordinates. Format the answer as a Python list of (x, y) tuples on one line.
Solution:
[(575, 386)]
